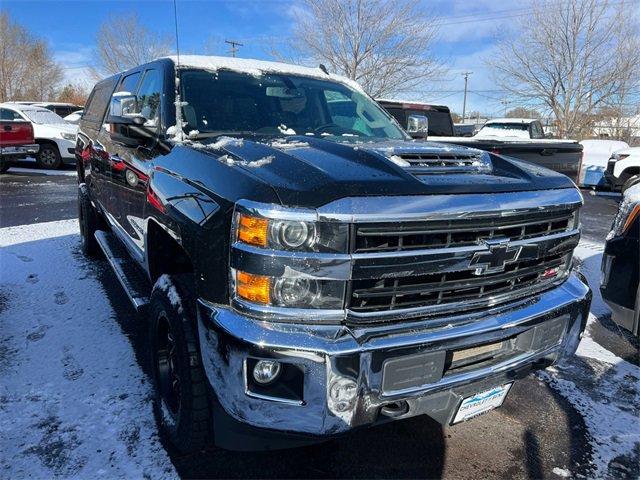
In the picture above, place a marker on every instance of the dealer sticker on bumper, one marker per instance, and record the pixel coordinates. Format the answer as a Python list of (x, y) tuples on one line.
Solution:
[(481, 402)]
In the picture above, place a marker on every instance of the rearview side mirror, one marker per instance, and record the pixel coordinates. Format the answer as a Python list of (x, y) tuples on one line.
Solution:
[(124, 122), (418, 126), (124, 110)]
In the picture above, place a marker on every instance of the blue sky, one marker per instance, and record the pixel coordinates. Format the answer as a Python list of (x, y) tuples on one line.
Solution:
[(468, 34)]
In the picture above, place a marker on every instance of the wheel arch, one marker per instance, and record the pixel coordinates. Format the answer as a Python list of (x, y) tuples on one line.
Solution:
[(165, 254)]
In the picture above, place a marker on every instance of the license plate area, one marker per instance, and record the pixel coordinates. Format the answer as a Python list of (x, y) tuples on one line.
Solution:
[(481, 402)]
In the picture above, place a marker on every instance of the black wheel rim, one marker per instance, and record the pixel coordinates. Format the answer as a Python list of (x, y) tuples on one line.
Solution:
[(167, 366), (48, 157)]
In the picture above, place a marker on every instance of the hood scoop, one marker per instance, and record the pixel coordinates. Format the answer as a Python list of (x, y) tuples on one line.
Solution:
[(443, 162)]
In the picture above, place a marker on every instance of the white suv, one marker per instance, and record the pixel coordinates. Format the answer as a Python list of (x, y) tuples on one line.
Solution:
[(56, 137), (623, 169)]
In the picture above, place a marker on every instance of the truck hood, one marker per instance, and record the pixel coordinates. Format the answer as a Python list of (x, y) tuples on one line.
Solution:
[(310, 172)]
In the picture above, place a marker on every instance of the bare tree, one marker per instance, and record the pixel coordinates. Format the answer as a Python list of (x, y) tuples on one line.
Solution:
[(571, 57), (385, 45), (27, 70), (523, 112), (123, 42)]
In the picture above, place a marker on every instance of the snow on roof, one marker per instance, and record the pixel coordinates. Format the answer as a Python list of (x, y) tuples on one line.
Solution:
[(257, 68), (30, 107), (413, 102), (511, 120), (56, 104)]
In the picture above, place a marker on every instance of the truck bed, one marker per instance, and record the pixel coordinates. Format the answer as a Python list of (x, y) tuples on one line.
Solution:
[(564, 156)]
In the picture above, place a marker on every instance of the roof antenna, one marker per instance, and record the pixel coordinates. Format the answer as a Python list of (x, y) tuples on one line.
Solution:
[(179, 133), (324, 69), (175, 19)]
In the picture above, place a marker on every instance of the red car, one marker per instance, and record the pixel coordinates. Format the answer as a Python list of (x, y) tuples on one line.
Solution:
[(16, 138)]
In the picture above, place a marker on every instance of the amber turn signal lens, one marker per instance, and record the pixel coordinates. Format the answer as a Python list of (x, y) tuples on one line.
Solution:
[(255, 288), (253, 230), (632, 216)]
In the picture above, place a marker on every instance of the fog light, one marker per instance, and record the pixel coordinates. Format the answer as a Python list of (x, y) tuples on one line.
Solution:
[(343, 392), (266, 371)]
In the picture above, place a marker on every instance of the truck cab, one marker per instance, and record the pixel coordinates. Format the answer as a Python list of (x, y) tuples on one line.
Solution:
[(16, 137), (305, 268)]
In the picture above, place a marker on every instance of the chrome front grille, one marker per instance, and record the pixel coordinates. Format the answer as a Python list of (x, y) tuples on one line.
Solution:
[(466, 262), (462, 286), (389, 237)]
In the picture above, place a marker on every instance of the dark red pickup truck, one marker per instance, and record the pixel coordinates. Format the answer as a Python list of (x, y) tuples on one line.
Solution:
[(16, 138)]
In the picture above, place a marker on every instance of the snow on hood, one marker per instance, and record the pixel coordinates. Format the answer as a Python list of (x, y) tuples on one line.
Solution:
[(257, 68)]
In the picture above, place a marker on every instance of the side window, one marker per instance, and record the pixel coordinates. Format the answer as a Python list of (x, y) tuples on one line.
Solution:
[(98, 102), (536, 130), (129, 83), (149, 97), (7, 115)]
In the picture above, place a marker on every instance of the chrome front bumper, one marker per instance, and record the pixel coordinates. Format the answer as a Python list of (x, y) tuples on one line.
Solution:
[(329, 354)]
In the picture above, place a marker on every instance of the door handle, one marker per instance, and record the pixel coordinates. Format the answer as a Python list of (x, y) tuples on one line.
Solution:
[(8, 128)]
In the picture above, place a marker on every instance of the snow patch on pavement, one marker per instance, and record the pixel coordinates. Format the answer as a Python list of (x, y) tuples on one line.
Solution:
[(73, 400), (39, 171), (603, 387)]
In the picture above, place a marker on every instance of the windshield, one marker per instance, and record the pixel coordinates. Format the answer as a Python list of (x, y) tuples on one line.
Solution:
[(43, 117), (234, 103)]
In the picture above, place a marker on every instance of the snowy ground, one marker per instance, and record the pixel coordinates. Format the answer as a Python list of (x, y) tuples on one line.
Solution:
[(75, 403), (603, 387)]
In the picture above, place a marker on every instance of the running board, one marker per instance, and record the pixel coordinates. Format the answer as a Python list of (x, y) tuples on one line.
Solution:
[(131, 277)]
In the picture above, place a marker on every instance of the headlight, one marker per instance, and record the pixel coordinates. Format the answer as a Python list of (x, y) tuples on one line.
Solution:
[(69, 136), (291, 235), (627, 212), (289, 292), (272, 250)]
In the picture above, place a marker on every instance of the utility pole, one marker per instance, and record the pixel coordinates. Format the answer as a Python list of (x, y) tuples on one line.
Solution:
[(234, 46), (464, 101), (505, 103)]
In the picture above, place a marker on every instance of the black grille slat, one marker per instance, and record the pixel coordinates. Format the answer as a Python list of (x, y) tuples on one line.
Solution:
[(470, 282), (460, 233)]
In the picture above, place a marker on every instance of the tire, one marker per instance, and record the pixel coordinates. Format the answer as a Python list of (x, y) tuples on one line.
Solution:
[(631, 181), (89, 221), (181, 400), (48, 156)]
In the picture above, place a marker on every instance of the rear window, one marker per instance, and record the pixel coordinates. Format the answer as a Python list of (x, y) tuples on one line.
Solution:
[(43, 117), (98, 102), (509, 126)]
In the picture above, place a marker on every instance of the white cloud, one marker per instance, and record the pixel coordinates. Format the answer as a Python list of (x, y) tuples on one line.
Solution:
[(76, 64)]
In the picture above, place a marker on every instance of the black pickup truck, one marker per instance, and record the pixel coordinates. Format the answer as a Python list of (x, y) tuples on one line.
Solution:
[(501, 136), (306, 268)]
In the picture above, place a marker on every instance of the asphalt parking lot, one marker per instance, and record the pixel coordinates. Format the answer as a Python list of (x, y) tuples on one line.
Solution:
[(552, 425)]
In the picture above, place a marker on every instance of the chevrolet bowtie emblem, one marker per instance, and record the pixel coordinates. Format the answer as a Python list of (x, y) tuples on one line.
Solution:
[(498, 254)]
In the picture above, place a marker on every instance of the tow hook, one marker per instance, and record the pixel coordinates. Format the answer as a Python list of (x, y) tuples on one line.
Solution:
[(395, 409)]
